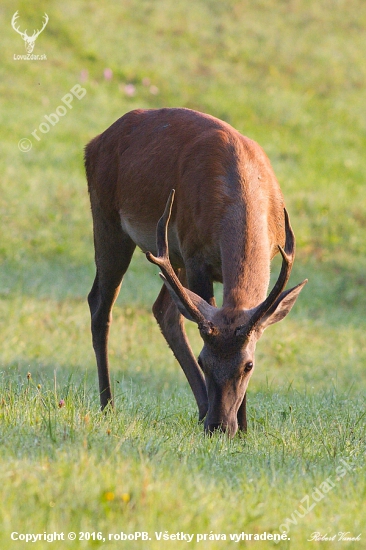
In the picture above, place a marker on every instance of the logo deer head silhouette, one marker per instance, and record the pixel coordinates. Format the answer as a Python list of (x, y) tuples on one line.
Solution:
[(29, 41)]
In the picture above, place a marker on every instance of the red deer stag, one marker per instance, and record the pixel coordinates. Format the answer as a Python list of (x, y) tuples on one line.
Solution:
[(226, 223)]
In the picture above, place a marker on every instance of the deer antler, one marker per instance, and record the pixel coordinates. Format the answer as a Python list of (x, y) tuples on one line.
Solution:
[(162, 260), (37, 33), (13, 22), (288, 256), (24, 34)]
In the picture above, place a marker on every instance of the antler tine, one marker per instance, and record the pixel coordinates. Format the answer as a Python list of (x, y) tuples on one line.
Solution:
[(15, 17), (38, 32), (162, 228), (13, 22), (162, 260), (288, 256)]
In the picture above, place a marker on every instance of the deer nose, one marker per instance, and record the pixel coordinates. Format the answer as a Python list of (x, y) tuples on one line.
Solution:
[(211, 428), (230, 428)]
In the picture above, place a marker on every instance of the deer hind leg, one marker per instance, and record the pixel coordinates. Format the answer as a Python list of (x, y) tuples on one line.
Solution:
[(172, 326), (113, 253)]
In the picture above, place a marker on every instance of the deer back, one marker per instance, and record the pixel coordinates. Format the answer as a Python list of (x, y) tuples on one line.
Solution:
[(226, 192)]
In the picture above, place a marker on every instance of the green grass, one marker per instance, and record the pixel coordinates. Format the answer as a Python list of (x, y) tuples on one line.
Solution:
[(290, 75)]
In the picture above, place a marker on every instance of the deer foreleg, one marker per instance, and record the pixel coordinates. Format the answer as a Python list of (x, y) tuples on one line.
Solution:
[(172, 326), (242, 415)]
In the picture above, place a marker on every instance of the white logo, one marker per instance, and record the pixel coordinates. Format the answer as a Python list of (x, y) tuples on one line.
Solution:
[(28, 40)]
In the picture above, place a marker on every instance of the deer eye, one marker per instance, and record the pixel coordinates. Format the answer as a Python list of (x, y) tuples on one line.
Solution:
[(248, 366)]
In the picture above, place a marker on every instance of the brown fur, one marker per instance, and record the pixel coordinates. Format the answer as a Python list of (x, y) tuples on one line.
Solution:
[(227, 222)]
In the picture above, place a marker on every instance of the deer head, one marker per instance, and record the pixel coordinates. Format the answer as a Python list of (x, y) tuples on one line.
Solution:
[(28, 40), (229, 336)]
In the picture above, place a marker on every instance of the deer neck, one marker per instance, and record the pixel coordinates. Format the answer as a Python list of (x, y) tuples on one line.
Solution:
[(246, 260)]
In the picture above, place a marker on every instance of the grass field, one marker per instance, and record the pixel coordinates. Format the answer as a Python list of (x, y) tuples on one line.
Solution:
[(289, 74)]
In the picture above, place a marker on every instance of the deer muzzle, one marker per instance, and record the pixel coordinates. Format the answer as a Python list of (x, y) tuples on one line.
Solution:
[(230, 427), (224, 402)]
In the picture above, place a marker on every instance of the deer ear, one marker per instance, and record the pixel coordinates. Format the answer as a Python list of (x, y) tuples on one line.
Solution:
[(281, 307), (204, 307)]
